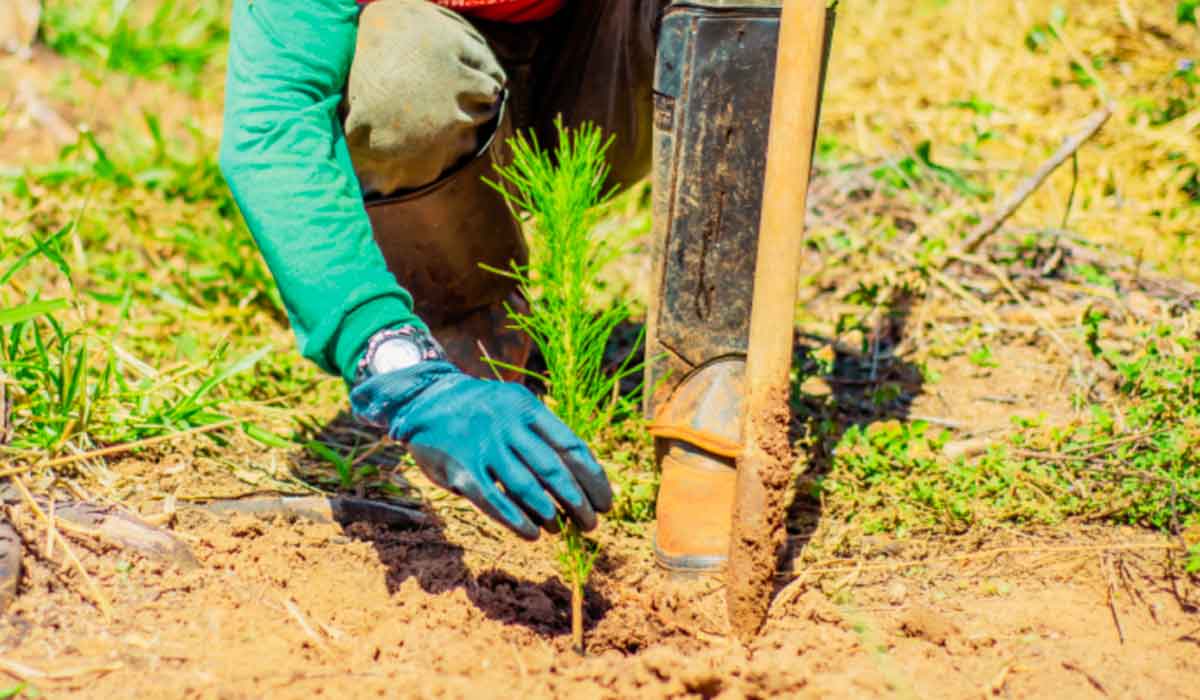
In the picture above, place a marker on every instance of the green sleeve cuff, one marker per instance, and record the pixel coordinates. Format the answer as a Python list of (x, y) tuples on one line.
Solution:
[(364, 321)]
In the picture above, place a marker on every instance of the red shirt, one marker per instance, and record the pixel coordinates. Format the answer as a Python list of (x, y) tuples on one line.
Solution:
[(505, 10), (501, 10)]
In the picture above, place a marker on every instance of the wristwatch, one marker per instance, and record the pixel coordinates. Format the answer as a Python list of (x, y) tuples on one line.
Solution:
[(395, 349)]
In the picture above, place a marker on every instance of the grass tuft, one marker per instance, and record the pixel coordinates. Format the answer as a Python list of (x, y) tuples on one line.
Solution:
[(1132, 460), (177, 42)]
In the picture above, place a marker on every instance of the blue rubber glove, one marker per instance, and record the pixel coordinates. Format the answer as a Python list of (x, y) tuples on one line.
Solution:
[(472, 437)]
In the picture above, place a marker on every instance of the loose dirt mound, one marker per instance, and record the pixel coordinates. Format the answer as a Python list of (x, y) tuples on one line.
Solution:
[(289, 609)]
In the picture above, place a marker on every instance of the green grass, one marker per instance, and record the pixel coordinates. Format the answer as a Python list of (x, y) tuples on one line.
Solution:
[(1132, 460), (629, 450), (177, 42), (134, 302), (349, 472), (20, 690), (75, 385)]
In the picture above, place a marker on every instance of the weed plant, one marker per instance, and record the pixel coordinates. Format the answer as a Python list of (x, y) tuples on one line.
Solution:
[(561, 192), (75, 381), (1134, 460), (177, 42), (130, 297), (350, 474)]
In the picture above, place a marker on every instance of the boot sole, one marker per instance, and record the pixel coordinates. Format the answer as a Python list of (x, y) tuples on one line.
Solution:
[(696, 564)]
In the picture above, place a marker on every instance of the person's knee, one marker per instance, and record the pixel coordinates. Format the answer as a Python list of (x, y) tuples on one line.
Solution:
[(422, 84)]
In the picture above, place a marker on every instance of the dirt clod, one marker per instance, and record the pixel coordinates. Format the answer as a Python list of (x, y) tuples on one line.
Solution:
[(921, 622)]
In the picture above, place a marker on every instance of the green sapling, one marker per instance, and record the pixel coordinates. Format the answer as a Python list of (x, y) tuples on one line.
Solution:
[(560, 193)]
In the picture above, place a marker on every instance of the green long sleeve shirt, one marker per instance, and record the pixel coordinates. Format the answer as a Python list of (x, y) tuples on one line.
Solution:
[(284, 156)]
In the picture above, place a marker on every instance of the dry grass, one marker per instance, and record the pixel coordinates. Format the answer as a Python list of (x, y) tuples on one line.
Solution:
[(900, 65)]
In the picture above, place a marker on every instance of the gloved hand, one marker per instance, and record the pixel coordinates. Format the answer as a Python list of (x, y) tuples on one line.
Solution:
[(422, 84), (472, 436)]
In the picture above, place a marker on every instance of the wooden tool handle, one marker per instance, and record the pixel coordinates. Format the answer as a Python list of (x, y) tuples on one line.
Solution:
[(764, 468)]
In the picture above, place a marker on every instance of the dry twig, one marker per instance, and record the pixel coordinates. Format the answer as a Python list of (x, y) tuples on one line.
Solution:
[(1034, 313), (1072, 666), (98, 597), (137, 444), (1106, 569), (5, 412), (298, 616), (118, 449), (1030, 185), (25, 672), (996, 686)]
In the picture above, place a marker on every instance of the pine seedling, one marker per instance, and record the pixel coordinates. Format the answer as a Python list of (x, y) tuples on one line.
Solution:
[(576, 557), (560, 192)]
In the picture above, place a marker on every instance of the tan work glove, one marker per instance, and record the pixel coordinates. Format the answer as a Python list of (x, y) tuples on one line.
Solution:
[(422, 83)]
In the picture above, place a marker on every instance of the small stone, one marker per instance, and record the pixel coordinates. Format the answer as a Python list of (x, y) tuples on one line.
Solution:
[(816, 386)]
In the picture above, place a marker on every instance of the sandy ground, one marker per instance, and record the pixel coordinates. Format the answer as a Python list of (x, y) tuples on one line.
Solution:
[(281, 608)]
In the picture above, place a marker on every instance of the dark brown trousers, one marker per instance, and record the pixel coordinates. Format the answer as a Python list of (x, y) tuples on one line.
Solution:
[(593, 62)]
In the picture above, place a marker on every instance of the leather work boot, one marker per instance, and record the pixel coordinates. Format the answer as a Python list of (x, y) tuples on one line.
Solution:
[(697, 432), (695, 511), (712, 105)]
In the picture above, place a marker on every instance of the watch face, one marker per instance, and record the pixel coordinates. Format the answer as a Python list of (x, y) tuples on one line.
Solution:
[(394, 354)]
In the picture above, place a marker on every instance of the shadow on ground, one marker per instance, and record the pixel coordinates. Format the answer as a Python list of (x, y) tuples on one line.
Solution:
[(426, 556), (856, 386), (437, 565)]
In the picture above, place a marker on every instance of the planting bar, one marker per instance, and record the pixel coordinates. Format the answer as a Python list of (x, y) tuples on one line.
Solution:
[(764, 467)]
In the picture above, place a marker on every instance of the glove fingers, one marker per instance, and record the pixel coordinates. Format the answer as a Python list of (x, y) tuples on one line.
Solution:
[(478, 56), (499, 507), (544, 461), (477, 108), (523, 488), (551, 526), (479, 94), (445, 471), (577, 458)]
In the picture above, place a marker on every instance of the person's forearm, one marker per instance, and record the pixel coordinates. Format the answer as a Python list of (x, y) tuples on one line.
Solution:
[(284, 156)]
